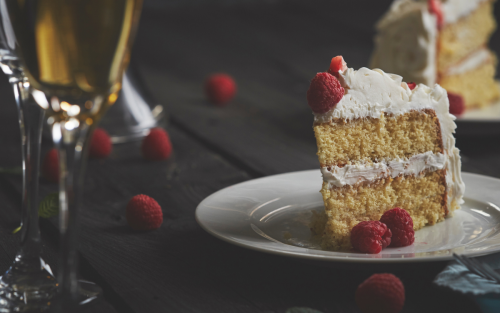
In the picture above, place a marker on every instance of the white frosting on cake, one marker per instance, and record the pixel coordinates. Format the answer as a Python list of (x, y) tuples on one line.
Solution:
[(371, 93), (406, 38), (473, 61), (358, 173)]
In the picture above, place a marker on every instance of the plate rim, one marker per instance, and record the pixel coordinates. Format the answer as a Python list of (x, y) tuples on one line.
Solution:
[(330, 259)]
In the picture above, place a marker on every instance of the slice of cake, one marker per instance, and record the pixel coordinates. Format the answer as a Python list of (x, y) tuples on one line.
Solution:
[(440, 41), (381, 144)]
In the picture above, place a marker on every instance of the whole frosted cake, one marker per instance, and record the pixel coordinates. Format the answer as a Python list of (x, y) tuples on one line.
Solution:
[(441, 41), (382, 143)]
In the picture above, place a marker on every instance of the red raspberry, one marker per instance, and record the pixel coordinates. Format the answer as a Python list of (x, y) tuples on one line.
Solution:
[(435, 8), (337, 65), (457, 105), (100, 144), (220, 88), (156, 145), (370, 236), (50, 166), (401, 225), (411, 85), (324, 93), (144, 213), (381, 293)]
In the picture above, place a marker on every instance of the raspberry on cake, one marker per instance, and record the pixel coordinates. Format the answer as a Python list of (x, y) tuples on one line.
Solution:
[(384, 145), (441, 41), (324, 93)]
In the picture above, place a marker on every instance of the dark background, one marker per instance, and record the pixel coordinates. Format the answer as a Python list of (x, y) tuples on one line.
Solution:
[(272, 49)]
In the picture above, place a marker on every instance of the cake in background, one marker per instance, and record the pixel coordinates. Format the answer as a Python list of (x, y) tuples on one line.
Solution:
[(382, 143), (440, 41)]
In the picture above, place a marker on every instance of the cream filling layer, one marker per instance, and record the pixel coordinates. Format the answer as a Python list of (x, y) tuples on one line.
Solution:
[(357, 173), (453, 10), (473, 61)]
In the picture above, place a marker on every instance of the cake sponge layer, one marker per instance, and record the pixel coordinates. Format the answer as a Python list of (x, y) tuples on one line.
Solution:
[(458, 40), (371, 139), (477, 87), (424, 197)]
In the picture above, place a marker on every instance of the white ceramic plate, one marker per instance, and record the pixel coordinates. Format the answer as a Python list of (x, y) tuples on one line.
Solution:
[(271, 215)]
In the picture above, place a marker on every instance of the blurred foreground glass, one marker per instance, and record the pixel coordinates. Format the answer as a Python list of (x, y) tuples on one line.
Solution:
[(74, 53), (28, 284)]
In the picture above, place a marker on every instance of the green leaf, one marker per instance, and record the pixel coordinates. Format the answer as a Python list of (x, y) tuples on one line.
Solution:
[(11, 170), (16, 230), (302, 310), (49, 206)]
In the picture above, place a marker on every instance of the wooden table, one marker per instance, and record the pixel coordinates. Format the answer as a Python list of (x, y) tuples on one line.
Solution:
[(272, 49)]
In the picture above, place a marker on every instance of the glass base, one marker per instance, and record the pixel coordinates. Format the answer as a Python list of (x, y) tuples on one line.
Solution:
[(133, 114), (27, 291), (89, 294)]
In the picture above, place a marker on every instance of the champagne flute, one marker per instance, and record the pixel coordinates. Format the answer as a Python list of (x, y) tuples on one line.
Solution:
[(27, 285), (74, 54)]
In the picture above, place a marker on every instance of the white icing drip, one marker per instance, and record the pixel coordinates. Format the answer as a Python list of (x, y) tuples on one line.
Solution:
[(453, 10), (406, 42), (362, 172), (371, 93), (471, 62)]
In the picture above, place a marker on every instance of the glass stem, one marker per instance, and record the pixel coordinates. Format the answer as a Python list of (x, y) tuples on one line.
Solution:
[(30, 122), (72, 148)]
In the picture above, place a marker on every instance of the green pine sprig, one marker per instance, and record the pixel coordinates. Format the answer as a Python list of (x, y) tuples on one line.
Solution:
[(49, 206)]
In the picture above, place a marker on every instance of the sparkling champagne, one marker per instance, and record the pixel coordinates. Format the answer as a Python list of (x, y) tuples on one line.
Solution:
[(75, 50)]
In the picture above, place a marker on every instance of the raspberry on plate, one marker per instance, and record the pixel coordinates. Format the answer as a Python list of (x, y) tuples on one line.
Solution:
[(411, 85), (457, 105), (324, 93), (381, 293), (337, 65), (156, 145), (370, 236), (100, 144), (220, 89), (144, 213), (50, 166), (401, 225)]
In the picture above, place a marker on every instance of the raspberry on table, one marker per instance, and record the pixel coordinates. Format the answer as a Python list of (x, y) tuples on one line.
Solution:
[(50, 166), (324, 93), (156, 145), (220, 89), (337, 65), (411, 85), (381, 293), (100, 144), (144, 213), (435, 8), (457, 105), (370, 236), (401, 225)]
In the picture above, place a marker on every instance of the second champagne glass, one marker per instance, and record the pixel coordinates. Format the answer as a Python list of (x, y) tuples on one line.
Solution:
[(27, 285), (74, 54)]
